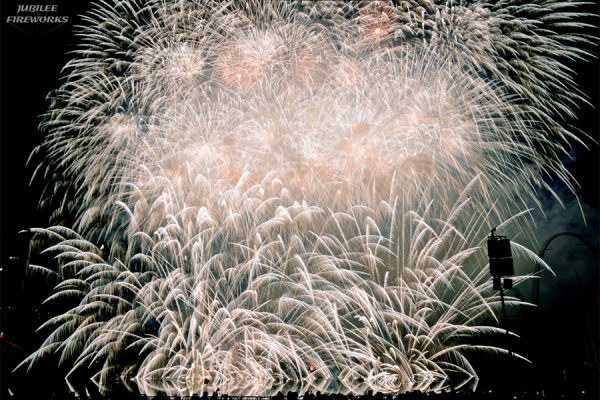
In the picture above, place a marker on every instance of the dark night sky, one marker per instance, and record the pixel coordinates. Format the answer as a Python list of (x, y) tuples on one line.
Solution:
[(31, 60)]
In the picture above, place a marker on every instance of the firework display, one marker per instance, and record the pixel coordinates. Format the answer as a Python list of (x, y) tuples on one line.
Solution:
[(248, 193)]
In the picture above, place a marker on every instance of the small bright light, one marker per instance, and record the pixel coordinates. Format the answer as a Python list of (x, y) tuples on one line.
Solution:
[(377, 31)]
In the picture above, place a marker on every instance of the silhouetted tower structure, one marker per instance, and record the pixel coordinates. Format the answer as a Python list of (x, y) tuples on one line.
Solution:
[(501, 268)]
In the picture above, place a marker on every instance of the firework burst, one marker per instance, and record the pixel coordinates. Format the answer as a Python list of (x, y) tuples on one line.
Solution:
[(267, 191)]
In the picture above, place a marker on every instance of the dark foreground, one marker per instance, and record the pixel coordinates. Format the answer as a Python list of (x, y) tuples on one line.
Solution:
[(488, 395)]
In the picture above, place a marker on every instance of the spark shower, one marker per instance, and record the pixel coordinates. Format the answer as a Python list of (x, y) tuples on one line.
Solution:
[(248, 193)]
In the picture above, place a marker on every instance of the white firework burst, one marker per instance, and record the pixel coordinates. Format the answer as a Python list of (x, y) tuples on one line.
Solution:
[(262, 191)]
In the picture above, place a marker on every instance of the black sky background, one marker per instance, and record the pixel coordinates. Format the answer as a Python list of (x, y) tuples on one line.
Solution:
[(31, 59)]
